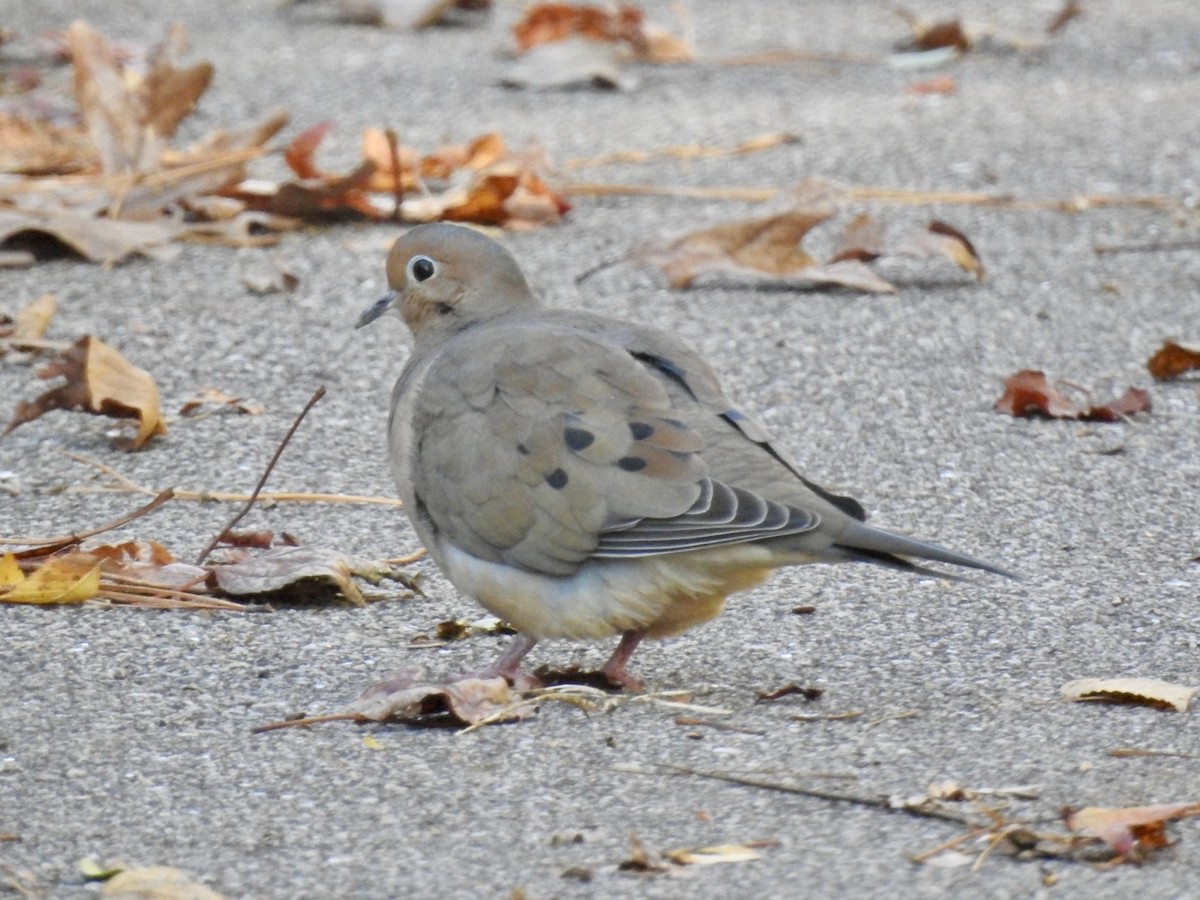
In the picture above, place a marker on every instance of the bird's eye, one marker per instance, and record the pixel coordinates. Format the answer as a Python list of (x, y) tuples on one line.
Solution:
[(421, 268)]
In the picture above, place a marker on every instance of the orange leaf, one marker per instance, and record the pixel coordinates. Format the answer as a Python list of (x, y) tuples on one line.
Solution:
[(1130, 831), (1172, 360)]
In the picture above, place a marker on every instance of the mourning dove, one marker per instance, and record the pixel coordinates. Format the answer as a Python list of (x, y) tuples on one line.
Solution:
[(582, 476)]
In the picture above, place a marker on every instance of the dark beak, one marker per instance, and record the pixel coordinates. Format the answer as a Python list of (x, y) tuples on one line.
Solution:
[(376, 309)]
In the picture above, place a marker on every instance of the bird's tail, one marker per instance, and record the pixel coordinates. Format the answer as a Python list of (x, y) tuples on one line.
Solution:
[(866, 544)]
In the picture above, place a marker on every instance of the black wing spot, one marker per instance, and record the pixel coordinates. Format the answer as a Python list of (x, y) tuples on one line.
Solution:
[(522, 449), (557, 479), (631, 463), (578, 438), (640, 430), (667, 367)]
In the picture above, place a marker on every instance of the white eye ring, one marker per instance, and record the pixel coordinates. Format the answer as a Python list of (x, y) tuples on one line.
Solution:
[(422, 268)]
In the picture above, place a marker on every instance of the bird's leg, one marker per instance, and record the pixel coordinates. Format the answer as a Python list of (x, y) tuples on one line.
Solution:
[(508, 664), (614, 669)]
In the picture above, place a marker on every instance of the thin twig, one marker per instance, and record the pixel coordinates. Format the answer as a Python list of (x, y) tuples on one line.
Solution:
[(312, 720), (312, 401), (52, 544), (921, 812), (393, 143), (1079, 203), (128, 486)]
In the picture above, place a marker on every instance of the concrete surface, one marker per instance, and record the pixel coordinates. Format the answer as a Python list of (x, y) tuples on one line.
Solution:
[(126, 734)]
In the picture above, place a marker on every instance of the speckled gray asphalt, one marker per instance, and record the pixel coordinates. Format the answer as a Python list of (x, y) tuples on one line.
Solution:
[(126, 734)]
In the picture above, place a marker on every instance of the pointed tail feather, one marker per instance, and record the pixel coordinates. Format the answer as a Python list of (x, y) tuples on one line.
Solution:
[(859, 541)]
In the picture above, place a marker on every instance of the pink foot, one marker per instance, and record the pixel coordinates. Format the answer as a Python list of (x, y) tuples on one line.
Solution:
[(508, 665), (614, 670)]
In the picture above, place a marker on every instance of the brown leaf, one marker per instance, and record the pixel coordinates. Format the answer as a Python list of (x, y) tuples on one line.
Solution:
[(1130, 831), (1172, 360), (1028, 393), (754, 247), (948, 33), (404, 694), (291, 573), (130, 118), (99, 381), (101, 240), (1137, 691)]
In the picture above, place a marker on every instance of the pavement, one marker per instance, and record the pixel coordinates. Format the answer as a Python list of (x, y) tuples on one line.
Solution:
[(126, 735)]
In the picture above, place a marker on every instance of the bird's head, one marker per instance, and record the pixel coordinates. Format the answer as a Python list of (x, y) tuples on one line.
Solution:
[(444, 278)]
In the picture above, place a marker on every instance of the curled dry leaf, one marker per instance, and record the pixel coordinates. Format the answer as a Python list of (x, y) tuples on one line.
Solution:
[(546, 23), (1139, 691), (1028, 393), (405, 694), (1172, 360), (99, 381), (295, 573), (767, 250), (1132, 831)]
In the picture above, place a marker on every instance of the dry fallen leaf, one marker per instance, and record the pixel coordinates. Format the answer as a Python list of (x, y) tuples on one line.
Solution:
[(99, 381), (546, 23), (405, 694), (114, 186), (1140, 691), (294, 573), (1028, 393), (1133, 831), (73, 578), (707, 856), (486, 184), (1172, 360), (156, 883), (767, 250)]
